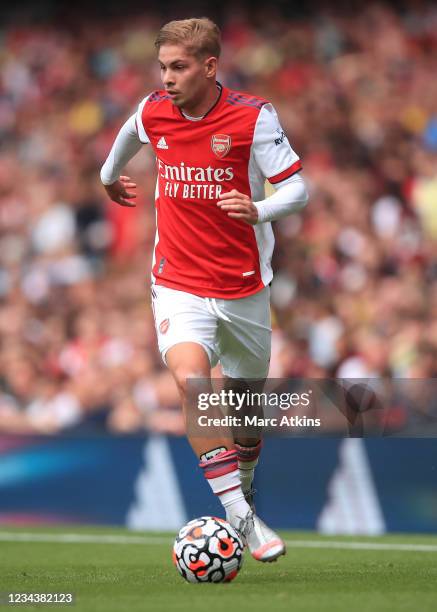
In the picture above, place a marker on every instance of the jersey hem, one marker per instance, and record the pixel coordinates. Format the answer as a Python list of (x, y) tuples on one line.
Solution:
[(231, 294)]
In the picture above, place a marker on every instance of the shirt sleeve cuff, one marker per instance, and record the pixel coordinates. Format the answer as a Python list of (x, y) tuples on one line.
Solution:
[(285, 174)]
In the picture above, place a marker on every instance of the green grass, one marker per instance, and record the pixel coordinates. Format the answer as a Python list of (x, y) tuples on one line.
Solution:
[(140, 577)]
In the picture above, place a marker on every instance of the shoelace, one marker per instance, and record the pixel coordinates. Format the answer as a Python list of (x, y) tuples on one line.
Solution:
[(250, 498), (250, 494), (246, 524)]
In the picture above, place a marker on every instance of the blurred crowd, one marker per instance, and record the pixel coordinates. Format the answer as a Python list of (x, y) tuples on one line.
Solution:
[(355, 291)]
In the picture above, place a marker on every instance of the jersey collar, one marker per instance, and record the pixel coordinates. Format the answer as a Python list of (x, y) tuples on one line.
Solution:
[(217, 104)]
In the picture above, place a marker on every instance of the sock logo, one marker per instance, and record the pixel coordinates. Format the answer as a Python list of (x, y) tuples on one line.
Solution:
[(212, 453)]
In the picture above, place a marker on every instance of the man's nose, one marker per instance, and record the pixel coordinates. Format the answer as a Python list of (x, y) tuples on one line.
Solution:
[(168, 78)]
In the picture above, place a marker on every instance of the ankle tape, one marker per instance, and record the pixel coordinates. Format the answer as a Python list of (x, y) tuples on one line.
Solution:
[(248, 453)]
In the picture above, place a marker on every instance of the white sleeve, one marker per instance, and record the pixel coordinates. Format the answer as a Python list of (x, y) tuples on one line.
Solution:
[(272, 152), (139, 122), (126, 145), (290, 197)]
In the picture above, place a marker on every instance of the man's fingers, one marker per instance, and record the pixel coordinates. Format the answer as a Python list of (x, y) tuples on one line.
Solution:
[(119, 194), (233, 194), (123, 201), (127, 182), (240, 207), (231, 201), (236, 215), (225, 194)]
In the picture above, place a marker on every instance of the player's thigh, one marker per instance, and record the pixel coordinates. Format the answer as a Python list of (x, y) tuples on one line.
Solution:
[(183, 320), (244, 336), (190, 356)]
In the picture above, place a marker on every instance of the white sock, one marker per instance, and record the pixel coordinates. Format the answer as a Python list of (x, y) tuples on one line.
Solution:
[(223, 476), (235, 505)]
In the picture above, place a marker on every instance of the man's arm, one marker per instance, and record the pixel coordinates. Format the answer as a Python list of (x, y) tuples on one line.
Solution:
[(290, 197), (126, 145), (275, 160)]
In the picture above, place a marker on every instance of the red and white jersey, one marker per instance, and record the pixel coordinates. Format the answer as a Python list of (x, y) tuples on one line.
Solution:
[(237, 145)]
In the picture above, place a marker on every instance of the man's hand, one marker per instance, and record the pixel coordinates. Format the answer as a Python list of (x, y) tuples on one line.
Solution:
[(118, 191), (238, 206)]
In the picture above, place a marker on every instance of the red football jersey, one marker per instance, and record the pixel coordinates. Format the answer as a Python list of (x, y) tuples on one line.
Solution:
[(236, 145)]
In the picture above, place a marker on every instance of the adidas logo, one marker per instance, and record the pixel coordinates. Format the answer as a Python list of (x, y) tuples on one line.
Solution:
[(162, 144)]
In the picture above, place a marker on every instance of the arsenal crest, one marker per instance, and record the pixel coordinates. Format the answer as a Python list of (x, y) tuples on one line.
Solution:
[(164, 325), (220, 145)]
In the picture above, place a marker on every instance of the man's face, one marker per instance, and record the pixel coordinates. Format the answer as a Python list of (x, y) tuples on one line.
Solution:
[(185, 77)]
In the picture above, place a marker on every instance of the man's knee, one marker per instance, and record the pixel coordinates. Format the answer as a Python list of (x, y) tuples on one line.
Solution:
[(191, 380), (189, 364)]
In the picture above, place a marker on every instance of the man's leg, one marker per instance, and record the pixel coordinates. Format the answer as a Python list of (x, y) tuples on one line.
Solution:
[(186, 330), (244, 336), (247, 444), (217, 453), (263, 543)]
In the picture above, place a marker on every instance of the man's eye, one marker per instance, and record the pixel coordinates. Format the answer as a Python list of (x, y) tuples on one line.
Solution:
[(177, 67)]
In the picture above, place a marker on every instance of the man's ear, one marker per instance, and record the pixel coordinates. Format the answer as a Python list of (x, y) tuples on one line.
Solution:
[(211, 67)]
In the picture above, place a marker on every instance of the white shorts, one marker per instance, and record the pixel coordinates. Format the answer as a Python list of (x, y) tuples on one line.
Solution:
[(235, 332)]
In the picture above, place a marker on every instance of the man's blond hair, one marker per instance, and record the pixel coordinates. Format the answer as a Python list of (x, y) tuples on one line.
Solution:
[(200, 37)]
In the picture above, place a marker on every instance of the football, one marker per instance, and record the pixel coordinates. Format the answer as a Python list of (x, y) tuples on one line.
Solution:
[(208, 549)]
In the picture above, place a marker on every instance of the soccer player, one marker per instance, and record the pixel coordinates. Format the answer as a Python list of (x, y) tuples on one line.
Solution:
[(211, 267)]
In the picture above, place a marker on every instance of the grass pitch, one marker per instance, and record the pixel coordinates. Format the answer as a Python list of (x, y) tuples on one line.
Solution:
[(115, 570)]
